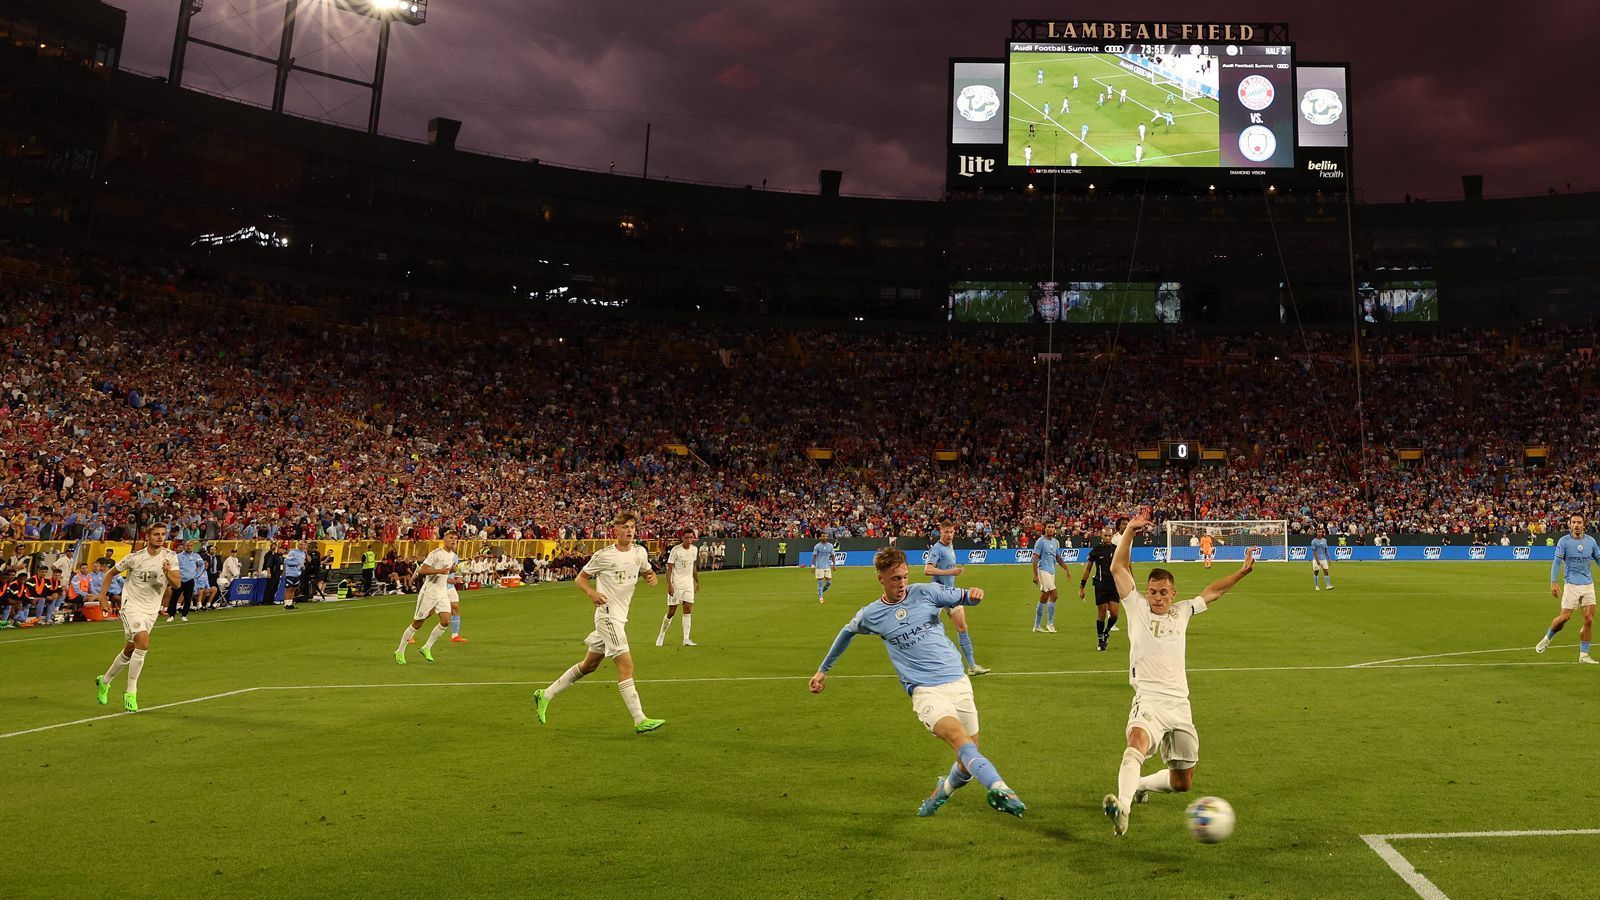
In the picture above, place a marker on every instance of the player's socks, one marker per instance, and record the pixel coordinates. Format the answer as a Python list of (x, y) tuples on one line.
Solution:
[(567, 679), (1157, 782), (1099, 628), (135, 666), (686, 627), (1038, 615), (1583, 647), (1128, 776), (117, 665), (630, 699), (981, 768), (1050, 614), (405, 639), (455, 625), (433, 636), (661, 636), (1111, 623), (953, 781), (966, 649)]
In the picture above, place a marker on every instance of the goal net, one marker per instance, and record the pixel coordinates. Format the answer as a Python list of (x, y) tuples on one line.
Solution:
[(1229, 539)]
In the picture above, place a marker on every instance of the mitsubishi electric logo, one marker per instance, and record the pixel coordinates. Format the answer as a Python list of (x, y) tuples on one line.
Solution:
[(968, 166)]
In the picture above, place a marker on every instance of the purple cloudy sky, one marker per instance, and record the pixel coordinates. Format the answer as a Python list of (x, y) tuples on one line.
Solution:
[(743, 91)]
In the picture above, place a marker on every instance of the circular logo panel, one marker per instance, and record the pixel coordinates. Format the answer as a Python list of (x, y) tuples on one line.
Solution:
[(1255, 92), (1257, 143), (978, 103), (1321, 106)]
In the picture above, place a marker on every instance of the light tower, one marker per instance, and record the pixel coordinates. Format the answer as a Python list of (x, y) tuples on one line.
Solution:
[(385, 12)]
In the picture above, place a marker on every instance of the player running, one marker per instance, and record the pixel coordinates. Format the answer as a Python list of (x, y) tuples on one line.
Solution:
[(822, 565), (149, 574), (616, 570), (907, 618), (437, 597), (1157, 641), (1106, 607), (942, 566), (1321, 559), (1046, 553), (1574, 552), (683, 582)]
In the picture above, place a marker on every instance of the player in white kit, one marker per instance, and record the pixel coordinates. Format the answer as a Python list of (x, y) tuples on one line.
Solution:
[(1138, 150), (437, 597), (1141, 132), (683, 582), (1157, 644), (148, 574), (616, 571)]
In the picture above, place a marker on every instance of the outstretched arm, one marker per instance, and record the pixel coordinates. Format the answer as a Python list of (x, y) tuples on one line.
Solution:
[(1216, 589), (1122, 560), (840, 643)]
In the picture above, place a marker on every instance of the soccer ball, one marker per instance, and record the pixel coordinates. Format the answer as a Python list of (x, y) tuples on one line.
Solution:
[(1210, 820)]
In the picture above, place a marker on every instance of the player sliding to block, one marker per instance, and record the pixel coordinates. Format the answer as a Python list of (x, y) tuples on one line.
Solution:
[(907, 618), (1157, 644)]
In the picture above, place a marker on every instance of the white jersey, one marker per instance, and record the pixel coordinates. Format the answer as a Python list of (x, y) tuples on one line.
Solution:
[(439, 558), (1157, 646), (616, 573), (145, 580), (680, 566)]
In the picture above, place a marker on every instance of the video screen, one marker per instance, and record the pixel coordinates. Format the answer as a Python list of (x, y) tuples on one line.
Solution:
[(1324, 106), (1076, 106), (975, 106), (1399, 301), (990, 301)]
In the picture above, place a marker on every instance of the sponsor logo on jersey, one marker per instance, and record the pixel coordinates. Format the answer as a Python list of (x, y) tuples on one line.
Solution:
[(1432, 552), (1298, 553), (1476, 553), (1521, 552), (1343, 553), (977, 557), (900, 614), (1386, 553)]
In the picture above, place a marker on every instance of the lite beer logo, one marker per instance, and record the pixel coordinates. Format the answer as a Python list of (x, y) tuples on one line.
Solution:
[(1432, 552), (1297, 553), (1522, 553), (1343, 553), (977, 557), (1476, 553), (968, 166), (1386, 553)]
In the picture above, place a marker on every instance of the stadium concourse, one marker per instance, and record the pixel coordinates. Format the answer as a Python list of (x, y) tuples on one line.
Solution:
[(283, 412)]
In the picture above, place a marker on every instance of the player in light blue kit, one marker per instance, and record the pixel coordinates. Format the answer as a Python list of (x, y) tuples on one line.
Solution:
[(1046, 553), (1321, 559), (1574, 552), (942, 566), (822, 566), (294, 566), (907, 618)]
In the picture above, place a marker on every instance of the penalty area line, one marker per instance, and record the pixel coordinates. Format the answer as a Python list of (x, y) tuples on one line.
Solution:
[(1379, 843)]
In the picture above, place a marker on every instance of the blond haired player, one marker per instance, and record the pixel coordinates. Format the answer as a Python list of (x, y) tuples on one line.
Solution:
[(437, 597), (608, 580), (1157, 645), (148, 575), (683, 582)]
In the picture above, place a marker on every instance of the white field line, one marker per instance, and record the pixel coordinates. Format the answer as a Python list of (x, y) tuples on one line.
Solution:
[(1072, 134), (729, 679), (1398, 659), (1419, 882)]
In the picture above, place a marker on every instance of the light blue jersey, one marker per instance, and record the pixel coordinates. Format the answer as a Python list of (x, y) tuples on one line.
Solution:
[(822, 555), (943, 556), (294, 563), (1575, 555), (919, 651), (1045, 551), (1319, 549), (190, 565)]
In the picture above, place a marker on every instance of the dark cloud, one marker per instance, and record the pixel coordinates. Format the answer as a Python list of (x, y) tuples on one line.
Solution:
[(740, 92)]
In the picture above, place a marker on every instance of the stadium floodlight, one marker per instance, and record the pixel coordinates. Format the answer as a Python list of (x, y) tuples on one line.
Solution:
[(411, 12)]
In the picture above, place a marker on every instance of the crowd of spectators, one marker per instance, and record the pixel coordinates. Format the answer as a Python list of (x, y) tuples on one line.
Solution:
[(230, 408)]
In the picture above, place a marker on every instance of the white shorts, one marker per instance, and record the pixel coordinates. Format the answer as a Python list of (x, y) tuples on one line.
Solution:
[(1047, 581), (432, 602), (1170, 726), (609, 637), (1576, 595), (824, 574), (1319, 565), (680, 595), (953, 699), (135, 622)]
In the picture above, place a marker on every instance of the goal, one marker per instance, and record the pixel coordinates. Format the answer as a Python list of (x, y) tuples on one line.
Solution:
[(1229, 538)]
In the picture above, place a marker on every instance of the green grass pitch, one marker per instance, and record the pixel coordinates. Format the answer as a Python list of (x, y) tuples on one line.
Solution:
[(319, 768), (1113, 128)]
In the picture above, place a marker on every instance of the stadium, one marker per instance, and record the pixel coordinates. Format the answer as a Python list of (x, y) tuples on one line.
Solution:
[(359, 492)]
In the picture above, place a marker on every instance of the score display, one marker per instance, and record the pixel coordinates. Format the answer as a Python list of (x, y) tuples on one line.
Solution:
[(1082, 106)]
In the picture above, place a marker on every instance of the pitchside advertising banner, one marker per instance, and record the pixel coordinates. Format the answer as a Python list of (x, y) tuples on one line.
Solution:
[(1148, 555)]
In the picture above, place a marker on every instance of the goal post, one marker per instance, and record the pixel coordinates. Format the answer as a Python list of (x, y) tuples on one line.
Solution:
[(1229, 539)]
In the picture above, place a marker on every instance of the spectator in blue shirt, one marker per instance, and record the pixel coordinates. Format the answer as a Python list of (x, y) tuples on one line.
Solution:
[(190, 565)]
